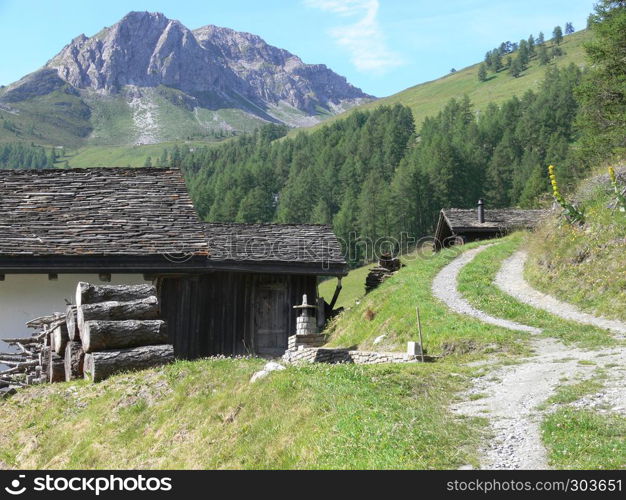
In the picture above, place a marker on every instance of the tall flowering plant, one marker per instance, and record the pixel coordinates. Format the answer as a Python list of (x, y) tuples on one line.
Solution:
[(572, 213), (619, 190)]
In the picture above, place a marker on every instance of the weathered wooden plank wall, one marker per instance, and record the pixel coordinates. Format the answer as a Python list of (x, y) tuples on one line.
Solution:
[(218, 313)]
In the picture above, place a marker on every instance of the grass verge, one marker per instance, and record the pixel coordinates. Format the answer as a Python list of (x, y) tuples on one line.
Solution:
[(476, 284), (584, 439), (591, 256), (206, 414), (581, 438), (390, 311)]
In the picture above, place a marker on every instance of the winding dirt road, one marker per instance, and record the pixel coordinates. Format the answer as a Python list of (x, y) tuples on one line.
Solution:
[(510, 396)]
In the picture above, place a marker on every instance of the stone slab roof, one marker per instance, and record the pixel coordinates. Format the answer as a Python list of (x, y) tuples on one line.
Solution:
[(495, 219), (291, 243), (97, 211)]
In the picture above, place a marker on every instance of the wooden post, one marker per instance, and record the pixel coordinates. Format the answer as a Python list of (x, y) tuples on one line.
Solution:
[(419, 329)]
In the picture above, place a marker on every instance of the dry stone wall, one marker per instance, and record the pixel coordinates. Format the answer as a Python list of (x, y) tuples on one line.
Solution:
[(333, 356)]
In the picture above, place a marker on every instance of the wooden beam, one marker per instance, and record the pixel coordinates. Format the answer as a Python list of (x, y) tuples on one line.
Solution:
[(129, 264)]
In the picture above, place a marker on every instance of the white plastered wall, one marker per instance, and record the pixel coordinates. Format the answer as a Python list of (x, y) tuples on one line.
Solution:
[(27, 296)]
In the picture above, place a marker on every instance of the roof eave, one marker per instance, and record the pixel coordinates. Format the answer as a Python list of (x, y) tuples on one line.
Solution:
[(157, 264)]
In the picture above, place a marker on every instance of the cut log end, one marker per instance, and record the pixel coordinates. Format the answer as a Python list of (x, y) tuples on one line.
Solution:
[(74, 361), (61, 337), (56, 368), (70, 322)]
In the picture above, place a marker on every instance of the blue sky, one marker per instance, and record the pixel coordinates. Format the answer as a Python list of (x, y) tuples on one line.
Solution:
[(382, 46)]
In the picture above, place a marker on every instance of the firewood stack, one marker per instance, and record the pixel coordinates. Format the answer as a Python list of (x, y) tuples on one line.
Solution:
[(118, 329), (111, 329), (387, 265), (31, 364)]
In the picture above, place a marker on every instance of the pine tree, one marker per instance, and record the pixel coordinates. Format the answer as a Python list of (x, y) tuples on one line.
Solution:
[(163, 159), (540, 38), (602, 95), (256, 207), (496, 61), (531, 45), (557, 35), (321, 213), (373, 213), (482, 73), (345, 224), (569, 28), (516, 67), (523, 53), (542, 54)]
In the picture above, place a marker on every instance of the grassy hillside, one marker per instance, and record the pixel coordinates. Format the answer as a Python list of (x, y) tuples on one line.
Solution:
[(390, 311), (58, 118), (475, 282), (585, 264), (122, 156), (427, 99), (96, 132), (352, 287), (206, 414)]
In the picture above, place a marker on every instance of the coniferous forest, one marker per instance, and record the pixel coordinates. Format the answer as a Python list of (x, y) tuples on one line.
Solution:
[(19, 155), (372, 175)]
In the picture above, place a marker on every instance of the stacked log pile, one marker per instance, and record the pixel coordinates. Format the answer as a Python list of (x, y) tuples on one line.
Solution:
[(35, 359), (119, 330), (111, 329), (387, 266)]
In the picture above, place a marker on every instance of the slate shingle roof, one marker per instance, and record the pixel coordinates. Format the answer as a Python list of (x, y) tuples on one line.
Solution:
[(495, 219), (292, 243), (97, 211)]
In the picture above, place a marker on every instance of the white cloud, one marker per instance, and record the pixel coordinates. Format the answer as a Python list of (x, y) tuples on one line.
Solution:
[(363, 38)]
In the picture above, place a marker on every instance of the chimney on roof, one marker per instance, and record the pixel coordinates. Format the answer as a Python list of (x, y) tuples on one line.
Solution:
[(481, 211)]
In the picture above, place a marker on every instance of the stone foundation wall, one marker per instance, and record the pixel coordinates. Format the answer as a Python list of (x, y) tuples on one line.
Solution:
[(311, 340), (327, 355)]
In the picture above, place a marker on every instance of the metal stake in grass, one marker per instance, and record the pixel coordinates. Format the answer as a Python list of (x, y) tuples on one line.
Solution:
[(419, 329)]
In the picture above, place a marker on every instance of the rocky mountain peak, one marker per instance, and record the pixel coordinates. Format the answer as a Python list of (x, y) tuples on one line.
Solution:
[(147, 49), (146, 58)]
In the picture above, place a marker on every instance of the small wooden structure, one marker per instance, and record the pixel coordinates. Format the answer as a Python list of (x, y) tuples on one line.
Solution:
[(221, 288), (458, 226), (387, 266)]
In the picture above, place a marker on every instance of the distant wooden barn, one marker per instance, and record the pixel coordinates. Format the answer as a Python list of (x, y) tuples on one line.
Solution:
[(224, 288), (457, 225)]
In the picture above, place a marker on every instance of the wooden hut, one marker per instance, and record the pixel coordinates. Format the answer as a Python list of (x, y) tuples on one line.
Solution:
[(458, 226), (223, 288)]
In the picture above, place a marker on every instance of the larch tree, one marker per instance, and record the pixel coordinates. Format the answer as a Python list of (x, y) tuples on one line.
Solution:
[(602, 116)]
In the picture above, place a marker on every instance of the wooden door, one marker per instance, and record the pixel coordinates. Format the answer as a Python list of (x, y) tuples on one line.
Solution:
[(271, 317)]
